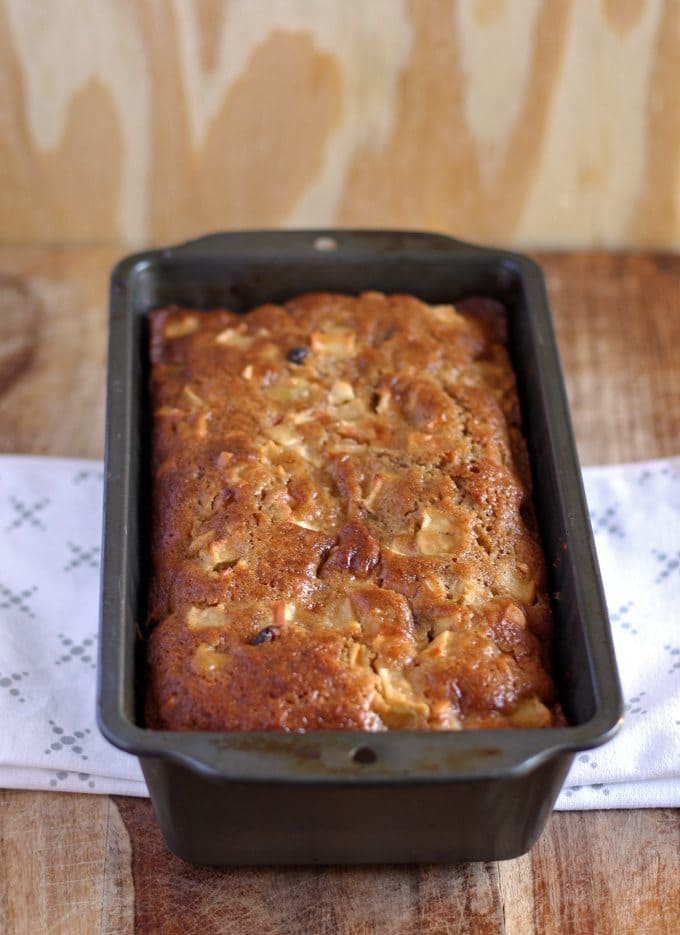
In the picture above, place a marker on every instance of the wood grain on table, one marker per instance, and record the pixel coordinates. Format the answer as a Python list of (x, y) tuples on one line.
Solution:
[(97, 864)]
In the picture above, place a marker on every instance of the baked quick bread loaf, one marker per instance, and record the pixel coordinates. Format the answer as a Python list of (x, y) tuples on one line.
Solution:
[(343, 534)]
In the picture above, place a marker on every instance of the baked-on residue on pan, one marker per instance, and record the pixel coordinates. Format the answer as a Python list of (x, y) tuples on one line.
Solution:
[(343, 534)]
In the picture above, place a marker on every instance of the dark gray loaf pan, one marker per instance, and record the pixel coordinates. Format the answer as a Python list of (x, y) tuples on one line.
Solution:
[(349, 797)]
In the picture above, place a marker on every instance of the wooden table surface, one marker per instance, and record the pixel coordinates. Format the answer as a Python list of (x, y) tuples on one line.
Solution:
[(97, 864)]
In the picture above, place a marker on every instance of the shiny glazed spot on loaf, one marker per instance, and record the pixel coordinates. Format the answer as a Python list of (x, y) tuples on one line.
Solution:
[(343, 534)]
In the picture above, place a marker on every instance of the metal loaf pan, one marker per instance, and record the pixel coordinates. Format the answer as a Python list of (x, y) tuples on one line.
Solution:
[(334, 796)]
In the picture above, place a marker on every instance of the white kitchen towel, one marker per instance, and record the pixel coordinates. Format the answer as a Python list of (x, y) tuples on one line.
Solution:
[(50, 518)]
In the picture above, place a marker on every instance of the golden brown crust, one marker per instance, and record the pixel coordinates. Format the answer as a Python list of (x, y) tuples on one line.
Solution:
[(343, 534)]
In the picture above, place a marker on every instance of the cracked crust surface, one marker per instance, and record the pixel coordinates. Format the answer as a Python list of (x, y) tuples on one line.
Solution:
[(343, 534)]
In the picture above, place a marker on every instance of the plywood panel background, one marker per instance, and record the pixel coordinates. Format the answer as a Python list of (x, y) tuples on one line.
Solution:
[(531, 122)]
